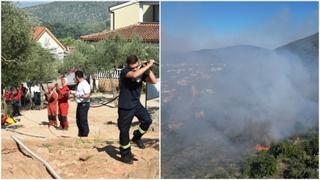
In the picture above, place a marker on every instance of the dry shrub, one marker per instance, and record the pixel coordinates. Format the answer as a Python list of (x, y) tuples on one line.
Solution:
[(105, 85)]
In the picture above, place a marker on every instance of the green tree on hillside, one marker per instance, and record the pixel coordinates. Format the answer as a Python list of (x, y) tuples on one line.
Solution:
[(263, 165), (80, 58), (22, 58), (294, 157), (15, 45), (42, 66), (72, 19), (107, 54)]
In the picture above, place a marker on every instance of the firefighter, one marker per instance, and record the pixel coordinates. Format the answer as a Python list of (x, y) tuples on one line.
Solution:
[(7, 99), (7, 95), (82, 96), (131, 78), (63, 106), (16, 102), (52, 98), (23, 91)]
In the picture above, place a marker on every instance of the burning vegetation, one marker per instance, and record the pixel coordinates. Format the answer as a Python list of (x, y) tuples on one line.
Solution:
[(244, 126), (295, 157), (260, 147)]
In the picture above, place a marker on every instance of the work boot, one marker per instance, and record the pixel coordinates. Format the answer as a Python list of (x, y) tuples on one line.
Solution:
[(54, 123), (126, 157), (59, 127), (139, 143), (137, 139)]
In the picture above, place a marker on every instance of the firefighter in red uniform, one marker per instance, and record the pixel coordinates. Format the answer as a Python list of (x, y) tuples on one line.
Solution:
[(7, 99), (52, 98), (16, 102), (63, 96), (7, 96)]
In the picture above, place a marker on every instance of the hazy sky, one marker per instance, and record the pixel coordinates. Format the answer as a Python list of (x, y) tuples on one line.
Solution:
[(197, 25), (23, 4)]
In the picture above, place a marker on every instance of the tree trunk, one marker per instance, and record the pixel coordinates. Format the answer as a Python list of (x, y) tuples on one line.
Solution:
[(94, 84), (42, 91), (30, 97)]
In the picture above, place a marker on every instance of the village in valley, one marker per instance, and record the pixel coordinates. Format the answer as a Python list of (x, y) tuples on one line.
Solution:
[(33, 62)]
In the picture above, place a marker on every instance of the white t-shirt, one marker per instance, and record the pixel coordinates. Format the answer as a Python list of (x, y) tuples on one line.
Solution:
[(34, 89), (82, 88)]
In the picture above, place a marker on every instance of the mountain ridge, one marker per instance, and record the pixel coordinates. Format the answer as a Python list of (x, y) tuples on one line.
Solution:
[(72, 19)]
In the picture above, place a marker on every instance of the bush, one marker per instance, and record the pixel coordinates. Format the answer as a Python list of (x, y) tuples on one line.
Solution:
[(298, 157), (295, 169), (312, 162), (260, 166), (311, 173), (287, 150), (311, 145)]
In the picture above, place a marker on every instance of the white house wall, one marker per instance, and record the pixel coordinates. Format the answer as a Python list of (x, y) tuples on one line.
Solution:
[(48, 42)]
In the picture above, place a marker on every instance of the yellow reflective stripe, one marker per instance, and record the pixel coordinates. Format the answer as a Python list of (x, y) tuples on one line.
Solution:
[(126, 146), (141, 131)]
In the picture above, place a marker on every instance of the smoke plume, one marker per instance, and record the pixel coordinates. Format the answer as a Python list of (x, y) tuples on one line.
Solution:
[(218, 104)]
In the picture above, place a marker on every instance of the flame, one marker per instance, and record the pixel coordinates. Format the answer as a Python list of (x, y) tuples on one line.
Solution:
[(260, 147)]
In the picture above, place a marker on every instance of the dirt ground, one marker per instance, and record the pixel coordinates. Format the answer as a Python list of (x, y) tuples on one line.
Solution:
[(71, 157)]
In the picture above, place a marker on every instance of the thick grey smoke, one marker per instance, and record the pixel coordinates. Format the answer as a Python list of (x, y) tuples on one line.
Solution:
[(219, 102), (227, 100)]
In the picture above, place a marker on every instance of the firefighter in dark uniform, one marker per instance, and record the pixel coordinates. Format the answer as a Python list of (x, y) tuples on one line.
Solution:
[(131, 78)]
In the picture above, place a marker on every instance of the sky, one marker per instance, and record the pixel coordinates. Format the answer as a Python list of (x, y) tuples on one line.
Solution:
[(198, 25), (24, 4)]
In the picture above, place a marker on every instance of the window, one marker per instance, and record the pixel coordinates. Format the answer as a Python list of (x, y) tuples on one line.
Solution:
[(155, 13)]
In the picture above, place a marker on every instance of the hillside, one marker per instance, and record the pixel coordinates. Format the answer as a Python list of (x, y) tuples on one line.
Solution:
[(72, 19), (221, 55), (306, 48), (220, 104)]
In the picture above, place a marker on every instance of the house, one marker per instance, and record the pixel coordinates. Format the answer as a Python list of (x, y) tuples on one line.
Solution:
[(48, 41), (133, 12), (130, 19)]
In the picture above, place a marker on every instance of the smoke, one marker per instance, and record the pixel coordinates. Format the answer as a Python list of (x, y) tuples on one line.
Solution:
[(280, 29), (220, 98), (245, 95)]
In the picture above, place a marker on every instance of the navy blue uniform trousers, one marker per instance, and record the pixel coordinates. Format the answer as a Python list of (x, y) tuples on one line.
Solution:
[(125, 120), (82, 119)]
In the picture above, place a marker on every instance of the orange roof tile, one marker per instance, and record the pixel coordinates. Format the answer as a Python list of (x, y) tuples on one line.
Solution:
[(149, 32), (38, 31)]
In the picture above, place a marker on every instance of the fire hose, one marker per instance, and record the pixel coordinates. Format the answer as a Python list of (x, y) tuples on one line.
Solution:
[(45, 163), (26, 134), (104, 103), (58, 136), (145, 62)]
